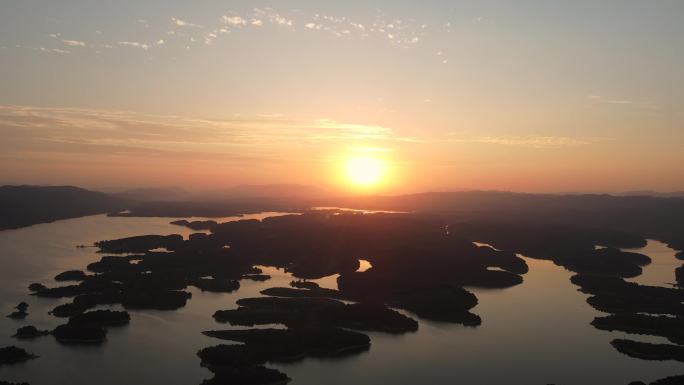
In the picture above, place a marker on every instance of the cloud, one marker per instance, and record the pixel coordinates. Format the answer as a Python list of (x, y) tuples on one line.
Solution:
[(41, 49), (68, 42), (535, 141), (73, 43), (135, 44), (176, 133), (270, 15), (256, 19), (183, 23), (642, 103), (398, 32), (209, 38), (527, 141), (234, 20), (54, 50), (51, 137), (601, 99)]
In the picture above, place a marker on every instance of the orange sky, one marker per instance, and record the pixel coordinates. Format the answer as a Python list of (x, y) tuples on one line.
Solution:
[(541, 97)]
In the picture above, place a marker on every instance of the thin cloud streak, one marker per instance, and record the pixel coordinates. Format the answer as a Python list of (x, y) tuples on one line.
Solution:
[(73, 43), (643, 103), (182, 133), (173, 132), (135, 44), (182, 23), (537, 141)]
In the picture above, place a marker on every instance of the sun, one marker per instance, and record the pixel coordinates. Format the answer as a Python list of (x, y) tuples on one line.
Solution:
[(364, 171)]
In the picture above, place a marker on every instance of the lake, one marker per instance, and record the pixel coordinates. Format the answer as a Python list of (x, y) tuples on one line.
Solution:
[(534, 333)]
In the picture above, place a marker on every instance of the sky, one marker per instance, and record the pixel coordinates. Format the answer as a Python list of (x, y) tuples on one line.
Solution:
[(538, 96)]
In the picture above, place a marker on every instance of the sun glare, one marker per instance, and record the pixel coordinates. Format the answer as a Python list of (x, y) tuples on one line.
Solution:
[(365, 172)]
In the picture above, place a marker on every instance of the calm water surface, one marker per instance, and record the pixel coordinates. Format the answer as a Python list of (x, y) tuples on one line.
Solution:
[(661, 270), (534, 333)]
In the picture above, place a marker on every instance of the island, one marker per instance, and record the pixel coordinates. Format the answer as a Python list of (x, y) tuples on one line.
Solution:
[(649, 351), (71, 275), (101, 318), (13, 355), (661, 326), (79, 334), (422, 268), (37, 287), (244, 363), (29, 332), (21, 312)]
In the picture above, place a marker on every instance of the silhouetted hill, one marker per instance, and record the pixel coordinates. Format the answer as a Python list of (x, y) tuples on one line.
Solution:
[(482, 202), (154, 194), (672, 194), (241, 199), (175, 201), (279, 191), (212, 208), (27, 205), (661, 218), (650, 216)]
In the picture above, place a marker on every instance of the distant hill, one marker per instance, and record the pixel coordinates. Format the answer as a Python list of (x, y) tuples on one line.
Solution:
[(241, 199), (650, 216), (278, 191), (659, 217), (239, 192), (672, 194), (503, 201), (154, 194), (27, 205)]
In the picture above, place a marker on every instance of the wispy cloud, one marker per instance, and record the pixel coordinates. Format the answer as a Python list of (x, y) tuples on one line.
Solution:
[(234, 20), (182, 23), (73, 43), (642, 103), (118, 139), (395, 31), (534, 141), (136, 44), (42, 49), (272, 16), (526, 141), (175, 133)]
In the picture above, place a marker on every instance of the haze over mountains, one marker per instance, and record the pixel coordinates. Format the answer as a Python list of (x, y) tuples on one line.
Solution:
[(236, 192), (27, 205), (659, 216)]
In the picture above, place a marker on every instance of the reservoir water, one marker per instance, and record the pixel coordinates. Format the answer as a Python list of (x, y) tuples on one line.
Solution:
[(534, 333)]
